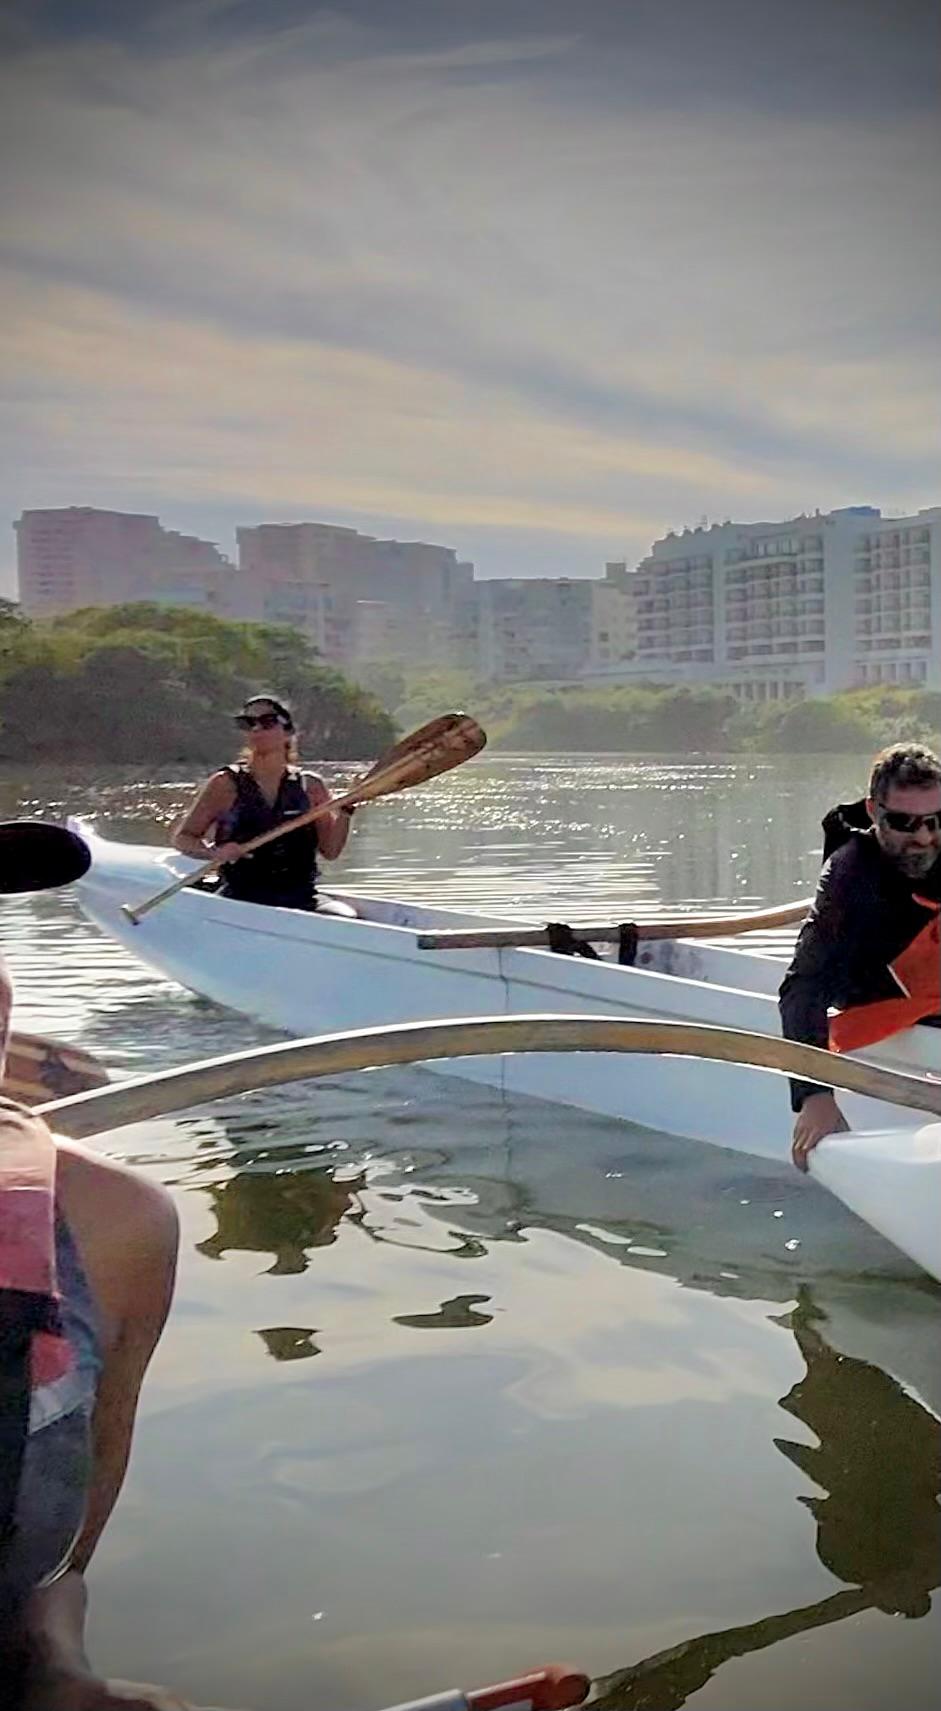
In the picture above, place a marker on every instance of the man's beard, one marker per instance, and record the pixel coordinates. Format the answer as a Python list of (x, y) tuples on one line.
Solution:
[(915, 864)]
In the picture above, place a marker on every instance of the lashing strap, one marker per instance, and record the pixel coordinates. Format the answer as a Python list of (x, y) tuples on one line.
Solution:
[(563, 941)]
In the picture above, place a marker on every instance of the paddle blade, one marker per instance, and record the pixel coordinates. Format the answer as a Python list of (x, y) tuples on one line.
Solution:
[(36, 854), (439, 730), (436, 748)]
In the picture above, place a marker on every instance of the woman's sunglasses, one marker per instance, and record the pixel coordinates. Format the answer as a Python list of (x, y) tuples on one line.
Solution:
[(260, 721), (899, 822)]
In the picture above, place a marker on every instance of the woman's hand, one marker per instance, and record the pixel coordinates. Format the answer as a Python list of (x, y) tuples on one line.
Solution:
[(227, 853)]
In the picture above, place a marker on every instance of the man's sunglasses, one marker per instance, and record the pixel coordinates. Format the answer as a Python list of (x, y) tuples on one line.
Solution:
[(899, 822), (260, 721)]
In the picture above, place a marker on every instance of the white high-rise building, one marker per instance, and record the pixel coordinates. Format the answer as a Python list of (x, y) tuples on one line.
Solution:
[(804, 607)]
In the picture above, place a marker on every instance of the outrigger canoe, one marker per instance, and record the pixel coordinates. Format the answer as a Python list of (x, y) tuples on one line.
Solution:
[(309, 974)]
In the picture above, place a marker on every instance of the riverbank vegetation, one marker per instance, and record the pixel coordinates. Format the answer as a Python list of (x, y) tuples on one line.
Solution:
[(156, 685), (653, 719)]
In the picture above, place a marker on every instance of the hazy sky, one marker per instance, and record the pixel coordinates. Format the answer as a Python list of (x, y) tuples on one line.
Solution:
[(535, 280)]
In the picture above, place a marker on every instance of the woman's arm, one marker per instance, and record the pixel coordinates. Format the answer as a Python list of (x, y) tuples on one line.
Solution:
[(333, 829), (214, 799)]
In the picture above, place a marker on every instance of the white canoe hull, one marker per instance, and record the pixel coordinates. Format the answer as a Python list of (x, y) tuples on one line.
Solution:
[(311, 974)]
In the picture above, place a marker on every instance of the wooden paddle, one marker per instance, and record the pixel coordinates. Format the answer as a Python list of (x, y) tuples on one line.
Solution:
[(436, 730), (421, 1042), (679, 927), (37, 1068), (434, 748)]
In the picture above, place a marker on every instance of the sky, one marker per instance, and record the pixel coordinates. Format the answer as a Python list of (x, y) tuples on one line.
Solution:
[(537, 281)]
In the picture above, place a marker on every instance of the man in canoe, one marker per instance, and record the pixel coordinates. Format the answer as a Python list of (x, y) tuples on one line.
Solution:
[(870, 949), (87, 1260), (265, 788)]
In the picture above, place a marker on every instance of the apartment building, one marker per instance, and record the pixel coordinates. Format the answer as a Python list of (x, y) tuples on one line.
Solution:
[(614, 617), (383, 631), (80, 556), (354, 596), (316, 575), (316, 609), (530, 628), (808, 606), (896, 634)]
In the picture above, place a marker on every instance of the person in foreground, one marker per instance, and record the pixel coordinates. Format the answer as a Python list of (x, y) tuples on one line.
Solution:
[(87, 1261), (264, 789), (870, 947)]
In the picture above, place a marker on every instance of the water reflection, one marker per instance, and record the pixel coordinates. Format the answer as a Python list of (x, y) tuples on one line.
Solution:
[(284, 1211), (878, 1462), (878, 1459), (875, 1458), (290, 1342), (461, 1312)]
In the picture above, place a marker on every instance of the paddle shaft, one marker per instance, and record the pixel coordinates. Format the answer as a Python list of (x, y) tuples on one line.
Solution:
[(683, 927), (419, 1042), (426, 759)]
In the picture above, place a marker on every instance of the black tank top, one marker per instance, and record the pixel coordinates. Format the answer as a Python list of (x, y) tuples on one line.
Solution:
[(284, 873)]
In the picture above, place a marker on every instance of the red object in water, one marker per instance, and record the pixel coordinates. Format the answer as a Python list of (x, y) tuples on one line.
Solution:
[(549, 1689)]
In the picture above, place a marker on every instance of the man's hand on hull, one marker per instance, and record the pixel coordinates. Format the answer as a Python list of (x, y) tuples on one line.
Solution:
[(819, 1115)]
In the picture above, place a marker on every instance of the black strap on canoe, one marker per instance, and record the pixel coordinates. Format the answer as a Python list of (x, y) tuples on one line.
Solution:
[(563, 941), (628, 940)]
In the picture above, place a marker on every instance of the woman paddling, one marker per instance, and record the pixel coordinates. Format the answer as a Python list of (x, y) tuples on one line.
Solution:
[(264, 789)]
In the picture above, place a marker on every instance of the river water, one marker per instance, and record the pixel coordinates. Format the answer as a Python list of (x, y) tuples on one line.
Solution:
[(457, 1384)]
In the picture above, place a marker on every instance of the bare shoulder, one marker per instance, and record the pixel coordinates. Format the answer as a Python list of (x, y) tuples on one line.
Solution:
[(316, 789), (213, 798), (114, 1192), (220, 785), (127, 1232)]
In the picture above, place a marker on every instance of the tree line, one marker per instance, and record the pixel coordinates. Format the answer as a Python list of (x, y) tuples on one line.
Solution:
[(656, 719), (156, 685)]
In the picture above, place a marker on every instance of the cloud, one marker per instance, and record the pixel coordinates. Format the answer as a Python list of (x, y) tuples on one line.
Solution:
[(458, 279)]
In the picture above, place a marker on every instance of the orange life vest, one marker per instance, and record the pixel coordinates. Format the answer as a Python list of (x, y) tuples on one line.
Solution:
[(917, 969)]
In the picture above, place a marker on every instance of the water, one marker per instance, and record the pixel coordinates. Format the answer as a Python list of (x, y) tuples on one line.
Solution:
[(456, 1384)]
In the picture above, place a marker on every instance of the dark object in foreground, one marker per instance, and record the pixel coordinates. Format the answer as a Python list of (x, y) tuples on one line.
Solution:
[(36, 855)]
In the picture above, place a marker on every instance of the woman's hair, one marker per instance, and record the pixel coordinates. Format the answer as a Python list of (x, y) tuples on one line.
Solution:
[(284, 712)]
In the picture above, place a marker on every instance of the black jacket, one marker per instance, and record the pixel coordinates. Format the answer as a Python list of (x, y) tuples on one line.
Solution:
[(863, 916)]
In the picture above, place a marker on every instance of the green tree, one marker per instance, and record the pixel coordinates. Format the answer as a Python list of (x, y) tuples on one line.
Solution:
[(155, 684), (817, 726)]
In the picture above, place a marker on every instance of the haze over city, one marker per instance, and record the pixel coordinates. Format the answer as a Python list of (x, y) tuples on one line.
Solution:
[(536, 282)]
